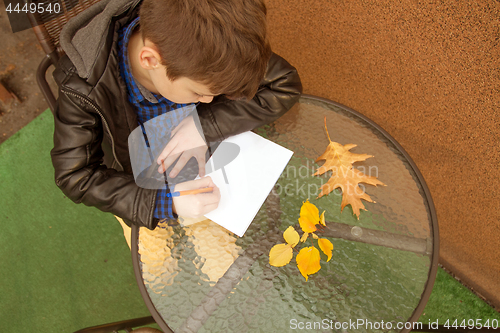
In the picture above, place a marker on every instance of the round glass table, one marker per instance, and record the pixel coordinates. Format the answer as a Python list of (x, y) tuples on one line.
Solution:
[(199, 277)]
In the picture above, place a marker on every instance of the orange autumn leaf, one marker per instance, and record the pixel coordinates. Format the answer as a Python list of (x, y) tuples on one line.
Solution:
[(339, 160), (308, 258), (281, 254), (326, 246), (309, 217), (308, 261)]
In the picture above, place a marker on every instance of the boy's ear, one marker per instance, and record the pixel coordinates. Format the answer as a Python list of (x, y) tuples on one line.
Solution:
[(149, 56)]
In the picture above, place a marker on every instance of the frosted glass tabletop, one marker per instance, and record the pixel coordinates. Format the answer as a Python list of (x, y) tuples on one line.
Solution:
[(202, 278)]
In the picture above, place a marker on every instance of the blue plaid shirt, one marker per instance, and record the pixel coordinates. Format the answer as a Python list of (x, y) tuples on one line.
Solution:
[(147, 106)]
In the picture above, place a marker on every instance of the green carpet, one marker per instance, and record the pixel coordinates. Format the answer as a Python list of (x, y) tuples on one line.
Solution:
[(64, 266), (452, 301)]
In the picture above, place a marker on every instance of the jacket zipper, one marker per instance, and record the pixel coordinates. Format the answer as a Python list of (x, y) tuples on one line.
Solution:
[(86, 100)]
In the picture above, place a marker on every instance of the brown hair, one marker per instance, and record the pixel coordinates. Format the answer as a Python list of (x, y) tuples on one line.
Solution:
[(219, 43)]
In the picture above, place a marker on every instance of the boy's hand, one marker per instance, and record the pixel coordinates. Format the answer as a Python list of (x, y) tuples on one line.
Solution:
[(196, 205), (187, 142)]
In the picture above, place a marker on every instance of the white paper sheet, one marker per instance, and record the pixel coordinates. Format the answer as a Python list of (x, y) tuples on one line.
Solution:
[(251, 177)]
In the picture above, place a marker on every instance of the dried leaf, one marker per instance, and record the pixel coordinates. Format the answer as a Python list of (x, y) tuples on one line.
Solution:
[(326, 246), (291, 236), (308, 261), (280, 255), (339, 160), (309, 217), (322, 219)]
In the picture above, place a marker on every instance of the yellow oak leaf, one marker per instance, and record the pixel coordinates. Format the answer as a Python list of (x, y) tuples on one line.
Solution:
[(326, 246), (280, 255), (291, 236), (308, 261), (339, 160)]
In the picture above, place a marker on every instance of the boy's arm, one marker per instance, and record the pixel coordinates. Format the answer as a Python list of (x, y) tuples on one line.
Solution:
[(77, 157), (279, 91)]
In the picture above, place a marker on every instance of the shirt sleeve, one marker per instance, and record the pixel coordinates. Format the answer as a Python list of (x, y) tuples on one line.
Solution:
[(163, 207)]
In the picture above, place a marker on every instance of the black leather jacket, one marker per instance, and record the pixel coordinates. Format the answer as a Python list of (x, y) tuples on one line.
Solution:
[(93, 120)]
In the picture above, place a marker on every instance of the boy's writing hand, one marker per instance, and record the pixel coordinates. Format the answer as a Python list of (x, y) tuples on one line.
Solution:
[(196, 205), (187, 142)]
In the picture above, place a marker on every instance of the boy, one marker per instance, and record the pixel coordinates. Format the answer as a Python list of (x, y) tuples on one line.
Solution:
[(129, 61)]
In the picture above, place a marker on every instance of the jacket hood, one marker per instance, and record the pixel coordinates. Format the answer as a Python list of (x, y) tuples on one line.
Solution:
[(84, 35)]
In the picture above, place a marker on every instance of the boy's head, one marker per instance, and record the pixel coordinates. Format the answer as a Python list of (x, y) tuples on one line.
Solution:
[(220, 44)]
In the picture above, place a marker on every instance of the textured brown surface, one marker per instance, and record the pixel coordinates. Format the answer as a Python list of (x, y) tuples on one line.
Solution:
[(20, 55), (428, 73)]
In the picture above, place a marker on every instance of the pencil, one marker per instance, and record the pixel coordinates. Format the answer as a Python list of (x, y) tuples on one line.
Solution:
[(200, 190)]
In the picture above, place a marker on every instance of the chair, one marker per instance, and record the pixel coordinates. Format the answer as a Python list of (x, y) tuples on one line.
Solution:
[(47, 27)]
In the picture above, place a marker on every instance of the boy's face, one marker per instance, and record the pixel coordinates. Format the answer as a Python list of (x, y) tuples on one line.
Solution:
[(182, 90)]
